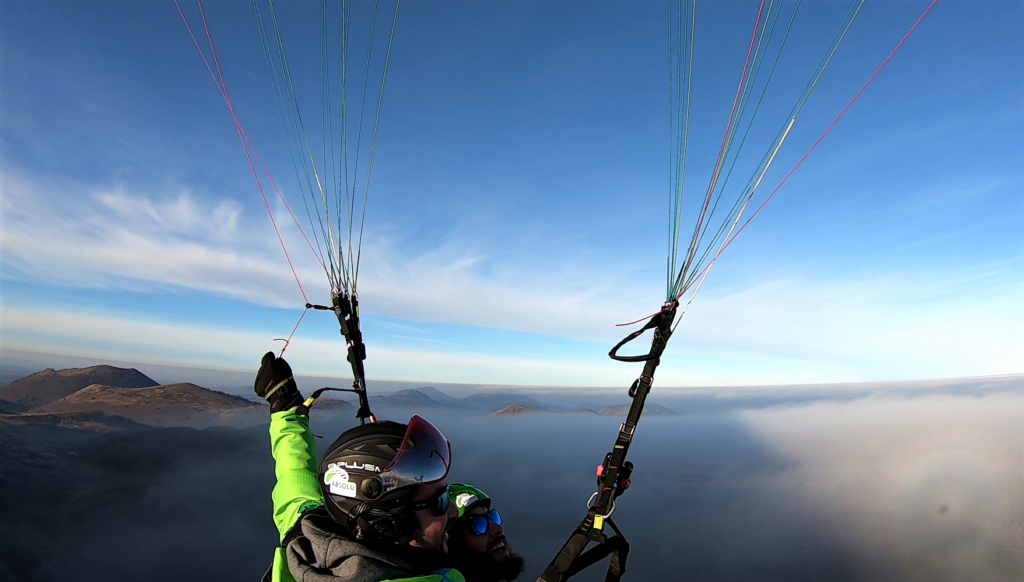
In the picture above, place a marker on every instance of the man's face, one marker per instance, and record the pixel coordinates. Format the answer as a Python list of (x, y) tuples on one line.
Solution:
[(484, 557), (491, 543), (430, 538)]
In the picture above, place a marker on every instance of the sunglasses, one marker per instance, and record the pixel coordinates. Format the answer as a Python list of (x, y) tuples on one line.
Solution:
[(438, 504), (478, 523)]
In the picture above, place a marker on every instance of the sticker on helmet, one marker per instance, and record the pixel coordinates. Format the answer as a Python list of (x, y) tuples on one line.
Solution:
[(464, 500), (336, 479)]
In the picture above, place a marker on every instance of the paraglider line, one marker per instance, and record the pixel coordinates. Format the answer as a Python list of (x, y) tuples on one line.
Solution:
[(639, 320), (833, 124), (247, 145), (373, 144), (238, 126), (283, 201), (725, 140), (288, 341), (279, 97), (703, 274)]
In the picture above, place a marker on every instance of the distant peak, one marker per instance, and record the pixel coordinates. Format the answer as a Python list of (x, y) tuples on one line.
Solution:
[(49, 385), (516, 409)]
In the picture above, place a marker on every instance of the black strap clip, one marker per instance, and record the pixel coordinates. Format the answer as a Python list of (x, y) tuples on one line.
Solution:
[(623, 481)]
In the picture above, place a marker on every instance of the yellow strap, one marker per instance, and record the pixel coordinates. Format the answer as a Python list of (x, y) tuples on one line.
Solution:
[(598, 522), (278, 387)]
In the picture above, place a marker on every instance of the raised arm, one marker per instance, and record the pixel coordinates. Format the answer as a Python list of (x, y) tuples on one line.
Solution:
[(295, 465), (291, 443)]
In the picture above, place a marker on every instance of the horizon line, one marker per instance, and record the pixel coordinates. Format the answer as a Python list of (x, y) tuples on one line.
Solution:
[(34, 354)]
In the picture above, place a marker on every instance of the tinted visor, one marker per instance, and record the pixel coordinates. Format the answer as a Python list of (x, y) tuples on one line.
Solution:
[(425, 457)]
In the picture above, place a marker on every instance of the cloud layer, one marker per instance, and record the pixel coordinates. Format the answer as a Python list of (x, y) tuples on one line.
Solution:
[(878, 489)]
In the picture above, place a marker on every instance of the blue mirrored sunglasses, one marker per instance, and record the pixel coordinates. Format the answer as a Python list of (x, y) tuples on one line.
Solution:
[(478, 523)]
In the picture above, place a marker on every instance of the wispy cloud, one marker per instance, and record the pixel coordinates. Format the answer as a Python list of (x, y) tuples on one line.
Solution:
[(118, 238), (911, 325), (951, 197), (112, 239), (797, 328), (180, 215)]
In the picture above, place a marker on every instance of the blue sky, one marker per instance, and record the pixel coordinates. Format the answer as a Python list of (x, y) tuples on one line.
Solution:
[(518, 204)]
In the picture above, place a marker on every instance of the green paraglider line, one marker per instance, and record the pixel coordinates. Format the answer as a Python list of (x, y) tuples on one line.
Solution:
[(341, 274), (750, 123), (750, 189), (241, 135), (725, 140), (832, 125), (279, 98), (249, 146), (614, 473), (373, 143)]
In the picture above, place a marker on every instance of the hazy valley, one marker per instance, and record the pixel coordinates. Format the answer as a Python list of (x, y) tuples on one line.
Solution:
[(134, 478)]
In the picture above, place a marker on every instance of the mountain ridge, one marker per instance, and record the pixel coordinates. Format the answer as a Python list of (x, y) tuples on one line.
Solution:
[(48, 385), (137, 398), (181, 404)]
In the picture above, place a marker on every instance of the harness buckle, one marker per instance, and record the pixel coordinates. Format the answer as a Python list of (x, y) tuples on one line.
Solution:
[(590, 505), (626, 431)]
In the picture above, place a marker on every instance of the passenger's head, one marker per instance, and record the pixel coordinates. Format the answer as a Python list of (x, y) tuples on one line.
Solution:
[(384, 483), (477, 544)]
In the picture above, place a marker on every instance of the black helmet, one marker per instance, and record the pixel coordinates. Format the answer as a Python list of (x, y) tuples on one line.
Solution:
[(369, 474)]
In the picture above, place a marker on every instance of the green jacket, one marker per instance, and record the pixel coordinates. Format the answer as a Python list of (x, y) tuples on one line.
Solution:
[(313, 552)]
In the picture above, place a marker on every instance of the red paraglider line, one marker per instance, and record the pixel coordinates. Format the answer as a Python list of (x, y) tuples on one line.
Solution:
[(255, 152), (826, 132), (247, 144), (728, 128), (645, 318), (288, 341), (283, 201)]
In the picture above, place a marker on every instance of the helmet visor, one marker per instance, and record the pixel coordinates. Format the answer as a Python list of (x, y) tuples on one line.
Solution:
[(424, 457)]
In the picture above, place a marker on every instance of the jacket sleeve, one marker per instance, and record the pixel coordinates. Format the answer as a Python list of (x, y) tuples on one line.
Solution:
[(295, 464)]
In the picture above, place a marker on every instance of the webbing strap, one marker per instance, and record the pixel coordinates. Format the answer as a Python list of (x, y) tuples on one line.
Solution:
[(572, 559), (616, 546), (613, 476)]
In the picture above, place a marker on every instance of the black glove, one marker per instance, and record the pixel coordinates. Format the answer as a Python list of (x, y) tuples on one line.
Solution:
[(274, 383)]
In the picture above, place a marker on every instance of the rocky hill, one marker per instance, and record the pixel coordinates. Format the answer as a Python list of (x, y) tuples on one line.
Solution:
[(181, 404), (329, 407), (491, 401), (412, 398), (49, 385), (333, 404), (520, 408), (437, 395), (516, 409)]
